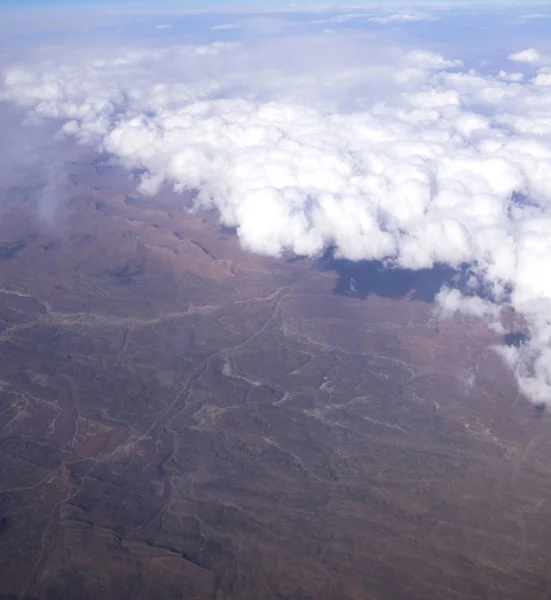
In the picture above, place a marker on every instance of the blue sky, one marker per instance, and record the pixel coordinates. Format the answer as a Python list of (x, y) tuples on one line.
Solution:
[(25, 18), (244, 3)]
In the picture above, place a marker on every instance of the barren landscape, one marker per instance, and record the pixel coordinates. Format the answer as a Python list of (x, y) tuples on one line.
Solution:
[(180, 418)]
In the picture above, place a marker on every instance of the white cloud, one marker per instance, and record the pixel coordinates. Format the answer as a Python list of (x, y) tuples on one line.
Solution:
[(524, 19), (403, 18), (511, 76), (383, 154), (423, 59), (532, 16), (225, 27), (381, 19), (530, 56), (543, 78), (163, 26), (340, 19), (450, 302)]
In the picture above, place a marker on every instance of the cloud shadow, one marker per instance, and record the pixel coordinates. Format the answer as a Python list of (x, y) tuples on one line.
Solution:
[(365, 278)]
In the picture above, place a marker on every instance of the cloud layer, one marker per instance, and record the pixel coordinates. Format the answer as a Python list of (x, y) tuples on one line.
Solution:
[(402, 156)]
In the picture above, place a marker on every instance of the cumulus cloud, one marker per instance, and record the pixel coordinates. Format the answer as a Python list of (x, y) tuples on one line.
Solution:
[(529, 56), (450, 302), (511, 76), (424, 59), (392, 155), (543, 77)]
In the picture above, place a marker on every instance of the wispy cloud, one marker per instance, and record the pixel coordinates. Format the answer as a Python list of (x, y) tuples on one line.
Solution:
[(527, 18), (376, 16), (225, 27), (403, 18)]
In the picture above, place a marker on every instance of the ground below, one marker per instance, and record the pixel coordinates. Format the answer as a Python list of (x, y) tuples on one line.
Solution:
[(182, 419)]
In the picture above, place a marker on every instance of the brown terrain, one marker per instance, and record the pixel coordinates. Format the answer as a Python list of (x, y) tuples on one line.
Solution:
[(180, 419)]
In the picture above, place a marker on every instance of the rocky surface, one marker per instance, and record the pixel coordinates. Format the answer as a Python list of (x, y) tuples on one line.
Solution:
[(182, 419)]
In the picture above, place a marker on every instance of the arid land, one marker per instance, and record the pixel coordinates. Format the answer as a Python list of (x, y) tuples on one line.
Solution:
[(180, 418)]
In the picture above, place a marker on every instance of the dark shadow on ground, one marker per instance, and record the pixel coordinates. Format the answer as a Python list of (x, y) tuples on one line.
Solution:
[(228, 232), (515, 338), (366, 278)]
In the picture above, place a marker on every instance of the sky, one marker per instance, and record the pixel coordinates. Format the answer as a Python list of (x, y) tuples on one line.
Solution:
[(410, 134), (235, 4)]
